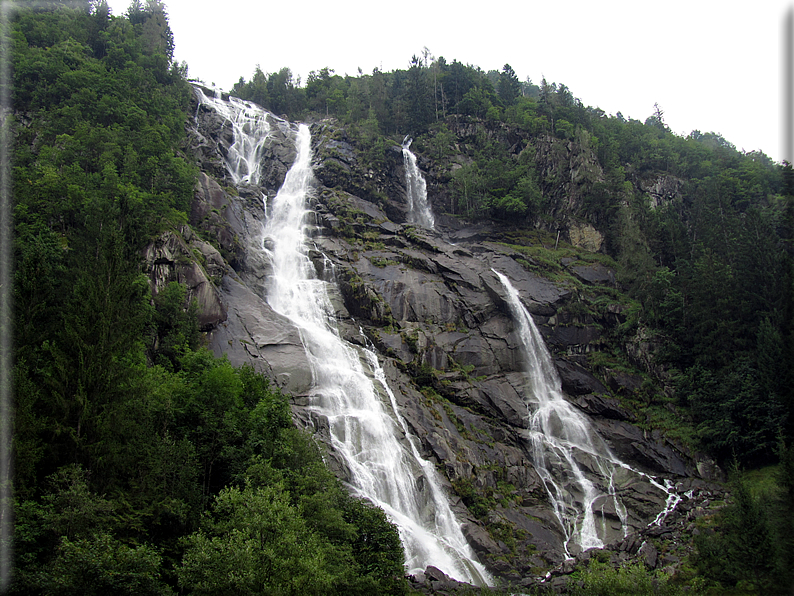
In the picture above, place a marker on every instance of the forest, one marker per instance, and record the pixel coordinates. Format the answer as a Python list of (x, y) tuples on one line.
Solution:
[(144, 464)]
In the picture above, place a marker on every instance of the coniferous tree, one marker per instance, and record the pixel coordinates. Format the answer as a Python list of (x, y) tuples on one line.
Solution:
[(418, 97), (509, 86)]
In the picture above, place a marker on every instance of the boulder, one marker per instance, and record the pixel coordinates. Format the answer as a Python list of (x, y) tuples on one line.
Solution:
[(600, 405), (585, 236), (649, 555), (649, 451), (594, 274), (576, 380), (171, 259)]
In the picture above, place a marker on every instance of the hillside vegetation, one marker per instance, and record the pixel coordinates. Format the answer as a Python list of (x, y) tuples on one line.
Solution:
[(144, 464)]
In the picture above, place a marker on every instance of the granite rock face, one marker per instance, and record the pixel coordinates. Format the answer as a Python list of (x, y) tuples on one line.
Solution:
[(180, 256), (430, 304)]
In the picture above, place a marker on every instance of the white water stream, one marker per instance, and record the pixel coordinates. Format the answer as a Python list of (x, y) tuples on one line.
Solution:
[(569, 456), (418, 208), (350, 390), (349, 384), (576, 466), (251, 131)]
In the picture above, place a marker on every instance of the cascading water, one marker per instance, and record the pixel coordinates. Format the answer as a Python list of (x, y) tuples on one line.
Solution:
[(363, 430), (577, 468), (418, 208), (349, 385), (569, 456), (251, 131)]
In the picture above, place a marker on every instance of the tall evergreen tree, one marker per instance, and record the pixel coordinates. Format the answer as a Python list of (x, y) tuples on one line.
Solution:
[(509, 87)]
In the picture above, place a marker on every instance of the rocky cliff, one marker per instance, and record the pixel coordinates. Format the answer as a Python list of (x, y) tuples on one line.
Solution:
[(430, 304)]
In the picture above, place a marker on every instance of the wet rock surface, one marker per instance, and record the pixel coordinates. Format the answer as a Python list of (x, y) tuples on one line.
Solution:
[(430, 304), (663, 545)]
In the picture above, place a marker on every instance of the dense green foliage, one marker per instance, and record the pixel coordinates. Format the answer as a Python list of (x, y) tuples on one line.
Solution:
[(747, 547), (99, 112), (211, 439), (143, 464)]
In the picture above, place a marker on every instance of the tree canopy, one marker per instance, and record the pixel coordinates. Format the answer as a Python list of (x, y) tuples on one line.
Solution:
[(145, 464), (138, 453)]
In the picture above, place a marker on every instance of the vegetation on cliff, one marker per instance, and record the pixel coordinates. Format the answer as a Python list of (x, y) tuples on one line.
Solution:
[(145, 464), (701, 231), (142, 463)]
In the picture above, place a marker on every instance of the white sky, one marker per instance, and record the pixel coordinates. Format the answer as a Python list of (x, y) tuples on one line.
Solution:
[(715, 66)]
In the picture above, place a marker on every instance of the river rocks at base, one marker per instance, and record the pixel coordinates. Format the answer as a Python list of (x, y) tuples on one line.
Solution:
[(435, 581), (665, 545), (707, 468)]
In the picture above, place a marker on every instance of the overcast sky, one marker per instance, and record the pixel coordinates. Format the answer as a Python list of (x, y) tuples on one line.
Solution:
[(715, 66)]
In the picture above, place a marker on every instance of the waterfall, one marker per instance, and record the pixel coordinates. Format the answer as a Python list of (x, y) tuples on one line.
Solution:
[(350, 390), (576, 466), (349, 385), (418, 208), (251, 131)]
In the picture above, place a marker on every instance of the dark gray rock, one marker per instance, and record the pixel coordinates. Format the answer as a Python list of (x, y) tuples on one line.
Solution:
[(650, 452), (255, 334), (503, 400), (170, 258), (594, 274), (649, 554), (576, 380), (622, 382), (599, 405), (571, 338), (479, 538)]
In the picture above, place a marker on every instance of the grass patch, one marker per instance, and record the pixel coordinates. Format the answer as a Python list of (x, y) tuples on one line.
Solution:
[(382, 261), (762, 480)]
